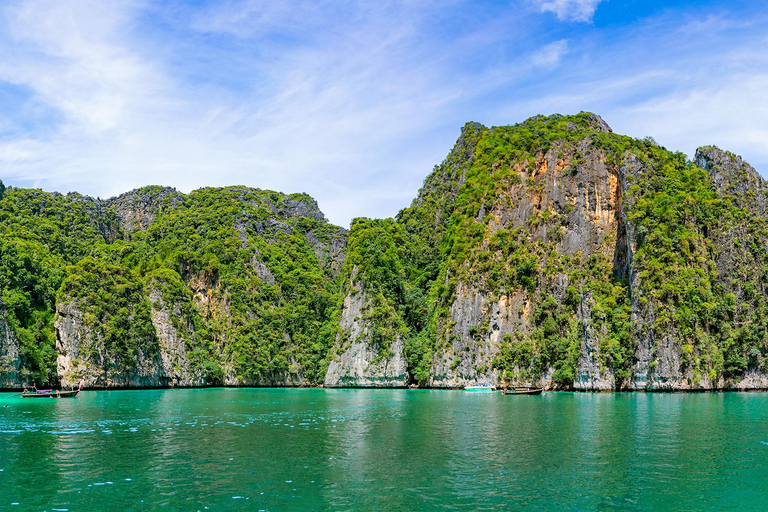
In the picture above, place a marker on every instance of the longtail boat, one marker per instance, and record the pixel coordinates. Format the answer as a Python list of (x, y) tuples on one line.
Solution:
[(480, 387), (523, 391), (50, 393)]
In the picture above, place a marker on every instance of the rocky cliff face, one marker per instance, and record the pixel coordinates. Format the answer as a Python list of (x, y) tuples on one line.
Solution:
[(593, 262), (137, 209), (554, 252), (357, 362), (168, 361), (9, 354), (85, 360), (733, 177), (585, 201), (173, 332), (218, 287)]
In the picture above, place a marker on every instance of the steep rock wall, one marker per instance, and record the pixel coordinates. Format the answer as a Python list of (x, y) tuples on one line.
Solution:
[(552, 253), (175, 364), (585, 199), (358, 363), (85, 361), (597, 305), (138, 208), (9, 354), (591, 374)]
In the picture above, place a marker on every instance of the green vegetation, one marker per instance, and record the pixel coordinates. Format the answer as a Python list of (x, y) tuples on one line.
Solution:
[(115, 311), (40, 234), (454, 241), (248, 281), (559, 238), (703, 259)]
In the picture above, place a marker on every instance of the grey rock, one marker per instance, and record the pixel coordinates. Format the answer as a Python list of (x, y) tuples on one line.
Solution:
[(591, 374), (138, 208), (358, 363), (262, 272), (84, 361), (173, 345), (597, 122), (304, 207), (9, 354), (735, 178)]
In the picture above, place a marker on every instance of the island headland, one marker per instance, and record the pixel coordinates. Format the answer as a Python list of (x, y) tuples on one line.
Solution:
[(553, 252)]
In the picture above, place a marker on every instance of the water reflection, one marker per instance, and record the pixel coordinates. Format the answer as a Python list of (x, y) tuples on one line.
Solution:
[(251, 449)]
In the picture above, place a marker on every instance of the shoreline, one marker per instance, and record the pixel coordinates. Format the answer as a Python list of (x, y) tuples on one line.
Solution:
[(408, 388)]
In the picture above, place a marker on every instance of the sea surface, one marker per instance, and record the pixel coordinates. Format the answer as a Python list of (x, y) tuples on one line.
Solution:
[(389, 450)]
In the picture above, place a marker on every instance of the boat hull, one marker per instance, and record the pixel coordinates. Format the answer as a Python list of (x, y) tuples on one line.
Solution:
[(523, 391), (51, 394)]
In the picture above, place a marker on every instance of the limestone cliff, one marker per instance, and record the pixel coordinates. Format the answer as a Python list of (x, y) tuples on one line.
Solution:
[(572, 257), (357, 362), (85, 359), (174, 332), (167, 358), (9, 354), (138, 208), (218, 287), (553, 252), (582, 203)]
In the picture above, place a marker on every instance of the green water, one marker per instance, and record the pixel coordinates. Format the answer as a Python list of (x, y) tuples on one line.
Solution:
[(359, 450)]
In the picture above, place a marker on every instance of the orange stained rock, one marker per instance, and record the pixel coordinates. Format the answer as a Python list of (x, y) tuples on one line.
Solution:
[(542, 166), (527, 309)]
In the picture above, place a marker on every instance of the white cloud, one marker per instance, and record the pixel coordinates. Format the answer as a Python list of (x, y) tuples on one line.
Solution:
[(323, 115), (351, 102), (569, 10), (684, 91), (549, 56), (729, 113), (74, 61)]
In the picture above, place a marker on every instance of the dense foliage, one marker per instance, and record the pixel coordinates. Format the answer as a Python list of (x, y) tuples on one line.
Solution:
[(248, 274), (253, 280), (40, 234), (689, 239)]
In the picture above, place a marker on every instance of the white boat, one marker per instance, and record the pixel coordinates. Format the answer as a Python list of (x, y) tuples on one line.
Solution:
[(480, 387)]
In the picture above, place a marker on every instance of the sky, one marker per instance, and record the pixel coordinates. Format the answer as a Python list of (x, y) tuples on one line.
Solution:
[(354, 102)]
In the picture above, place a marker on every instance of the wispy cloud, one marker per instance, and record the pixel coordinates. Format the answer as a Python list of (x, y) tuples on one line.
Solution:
[(663, 80), (571, 10), (305, 117), (72, 57), (351, 102), (549, 56)]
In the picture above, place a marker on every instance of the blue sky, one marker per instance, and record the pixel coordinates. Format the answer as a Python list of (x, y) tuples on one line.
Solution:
[(354, 102)]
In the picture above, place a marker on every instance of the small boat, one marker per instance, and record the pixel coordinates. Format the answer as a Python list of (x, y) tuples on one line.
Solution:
[(523, 391), (50, 393), (480, 387)]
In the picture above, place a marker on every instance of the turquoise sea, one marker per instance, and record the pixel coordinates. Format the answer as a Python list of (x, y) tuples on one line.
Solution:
[(389, 450)]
